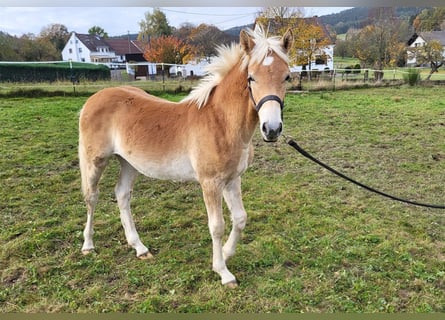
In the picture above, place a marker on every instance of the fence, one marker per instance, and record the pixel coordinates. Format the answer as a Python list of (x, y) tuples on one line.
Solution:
[(177, 77)]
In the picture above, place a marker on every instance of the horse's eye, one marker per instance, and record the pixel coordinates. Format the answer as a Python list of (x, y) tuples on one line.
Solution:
[(288, 78)]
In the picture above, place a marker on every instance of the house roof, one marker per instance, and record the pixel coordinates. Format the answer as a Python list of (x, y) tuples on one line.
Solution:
[(119, 46), (123, 46), (273, 25), (428, 36), (92, 42)]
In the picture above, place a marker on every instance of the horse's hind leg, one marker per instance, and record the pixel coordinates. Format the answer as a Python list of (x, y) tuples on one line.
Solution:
[(91, 172), (232, 196), (123, 195)]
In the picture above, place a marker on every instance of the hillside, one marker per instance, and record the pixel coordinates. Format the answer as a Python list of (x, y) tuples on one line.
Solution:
[(359, 17), (351, 18)]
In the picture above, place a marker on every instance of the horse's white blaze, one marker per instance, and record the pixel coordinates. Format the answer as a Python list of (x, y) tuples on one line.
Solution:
[(270, 113), (267, 61)]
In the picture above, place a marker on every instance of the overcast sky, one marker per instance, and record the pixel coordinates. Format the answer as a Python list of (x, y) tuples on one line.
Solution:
[(120, 20)]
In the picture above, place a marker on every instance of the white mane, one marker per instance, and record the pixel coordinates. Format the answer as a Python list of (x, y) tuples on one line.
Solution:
[(228, 57)]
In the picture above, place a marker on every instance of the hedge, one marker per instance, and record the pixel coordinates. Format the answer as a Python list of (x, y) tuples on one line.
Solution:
[(50, 72)]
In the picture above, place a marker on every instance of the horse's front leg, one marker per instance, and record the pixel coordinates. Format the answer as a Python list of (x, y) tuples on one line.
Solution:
[(232, 196), (212, 192)]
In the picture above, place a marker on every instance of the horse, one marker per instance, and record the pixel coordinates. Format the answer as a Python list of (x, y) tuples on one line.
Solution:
[(206, 137)]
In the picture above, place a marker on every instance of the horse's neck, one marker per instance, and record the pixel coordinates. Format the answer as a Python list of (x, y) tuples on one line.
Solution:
[(231, 99)]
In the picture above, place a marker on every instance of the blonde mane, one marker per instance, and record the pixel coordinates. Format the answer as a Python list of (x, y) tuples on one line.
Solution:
[(228, 57)]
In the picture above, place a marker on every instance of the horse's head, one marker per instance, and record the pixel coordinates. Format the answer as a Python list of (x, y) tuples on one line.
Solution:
[(267, 73)]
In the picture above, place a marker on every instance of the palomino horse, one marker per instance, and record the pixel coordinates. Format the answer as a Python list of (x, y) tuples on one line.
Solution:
[(207, 137)]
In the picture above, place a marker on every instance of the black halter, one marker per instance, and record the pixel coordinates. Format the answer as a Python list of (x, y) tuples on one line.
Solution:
[(270, 97)]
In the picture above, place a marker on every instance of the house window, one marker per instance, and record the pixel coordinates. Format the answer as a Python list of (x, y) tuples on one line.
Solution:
[(80, 49), (70, 50), (320, 60)]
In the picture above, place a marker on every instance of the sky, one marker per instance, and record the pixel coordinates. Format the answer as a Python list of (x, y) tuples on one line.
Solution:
[(116, 21)]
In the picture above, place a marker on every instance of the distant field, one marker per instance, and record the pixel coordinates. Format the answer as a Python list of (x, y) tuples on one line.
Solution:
[(313, 242)]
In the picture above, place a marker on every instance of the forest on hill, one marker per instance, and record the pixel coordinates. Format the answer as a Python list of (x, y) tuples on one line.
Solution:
[(358, 18)]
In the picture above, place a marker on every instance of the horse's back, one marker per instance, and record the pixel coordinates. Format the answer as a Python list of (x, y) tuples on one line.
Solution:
[(118, 105)]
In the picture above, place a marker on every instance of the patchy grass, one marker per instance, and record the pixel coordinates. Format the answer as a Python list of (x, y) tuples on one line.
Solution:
[(313, 243)]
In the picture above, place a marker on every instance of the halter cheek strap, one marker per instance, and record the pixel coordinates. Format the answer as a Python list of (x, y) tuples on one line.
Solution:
[(263, 100)]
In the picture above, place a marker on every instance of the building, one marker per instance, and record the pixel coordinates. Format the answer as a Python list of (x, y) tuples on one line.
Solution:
[(421, 39), (95, 49)]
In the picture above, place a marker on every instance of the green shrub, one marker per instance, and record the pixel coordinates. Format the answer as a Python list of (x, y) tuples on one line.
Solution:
[(412, 76), (50, 72)]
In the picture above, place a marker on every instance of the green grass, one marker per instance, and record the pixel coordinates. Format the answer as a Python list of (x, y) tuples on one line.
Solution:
[(313, 243)]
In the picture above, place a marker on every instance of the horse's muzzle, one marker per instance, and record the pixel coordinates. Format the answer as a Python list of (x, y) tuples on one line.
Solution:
[(271, 133)]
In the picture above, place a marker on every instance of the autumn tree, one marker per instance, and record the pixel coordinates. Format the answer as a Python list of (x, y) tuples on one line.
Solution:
[(205, 38), (96, 30), (9, 51), (430, 20), (168, 49), (55, 33), (432, 54), (154, 25), (33, 48), (379, 44), (310, 37), (309, 42)]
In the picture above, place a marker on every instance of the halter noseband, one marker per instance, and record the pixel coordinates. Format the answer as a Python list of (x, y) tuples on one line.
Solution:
[(263, 100)]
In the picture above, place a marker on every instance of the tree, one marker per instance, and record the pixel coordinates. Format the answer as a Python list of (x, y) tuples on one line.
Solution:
[(280, 13), (309, 43), (9, 50), (96, 30), (168, 49), (310, 39), (57, 34), (154, 25), (379, 44), (432, 53), (430, 20), (37, 49), (205, 38)]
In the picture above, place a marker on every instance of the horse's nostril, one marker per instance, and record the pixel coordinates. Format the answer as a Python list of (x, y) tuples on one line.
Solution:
[(264, 127)]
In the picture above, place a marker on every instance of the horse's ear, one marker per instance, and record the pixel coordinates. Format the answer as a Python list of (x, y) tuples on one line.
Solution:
[(246, 41), (287, 40)]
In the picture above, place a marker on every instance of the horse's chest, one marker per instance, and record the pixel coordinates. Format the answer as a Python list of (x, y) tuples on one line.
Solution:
[(245, 159)]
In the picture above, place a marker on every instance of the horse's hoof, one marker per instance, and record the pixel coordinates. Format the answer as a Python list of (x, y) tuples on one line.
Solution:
[(146, 256), (86, 252), (232, 284)]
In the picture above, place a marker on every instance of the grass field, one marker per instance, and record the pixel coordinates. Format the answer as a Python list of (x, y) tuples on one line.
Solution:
[(313, 243)]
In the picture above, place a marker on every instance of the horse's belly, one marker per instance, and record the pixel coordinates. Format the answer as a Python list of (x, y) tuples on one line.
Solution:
[(175, 168)]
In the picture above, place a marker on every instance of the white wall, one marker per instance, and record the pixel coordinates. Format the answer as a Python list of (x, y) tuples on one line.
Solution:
[(75, 50)]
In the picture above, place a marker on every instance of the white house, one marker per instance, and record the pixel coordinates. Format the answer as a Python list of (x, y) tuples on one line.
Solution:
[(421, 39), (193, 68), (95, 49)]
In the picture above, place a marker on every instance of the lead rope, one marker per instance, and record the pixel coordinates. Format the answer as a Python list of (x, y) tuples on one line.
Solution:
[(303, 152)]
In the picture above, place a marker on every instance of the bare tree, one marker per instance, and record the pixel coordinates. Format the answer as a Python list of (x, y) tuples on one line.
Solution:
[(281, 12)]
